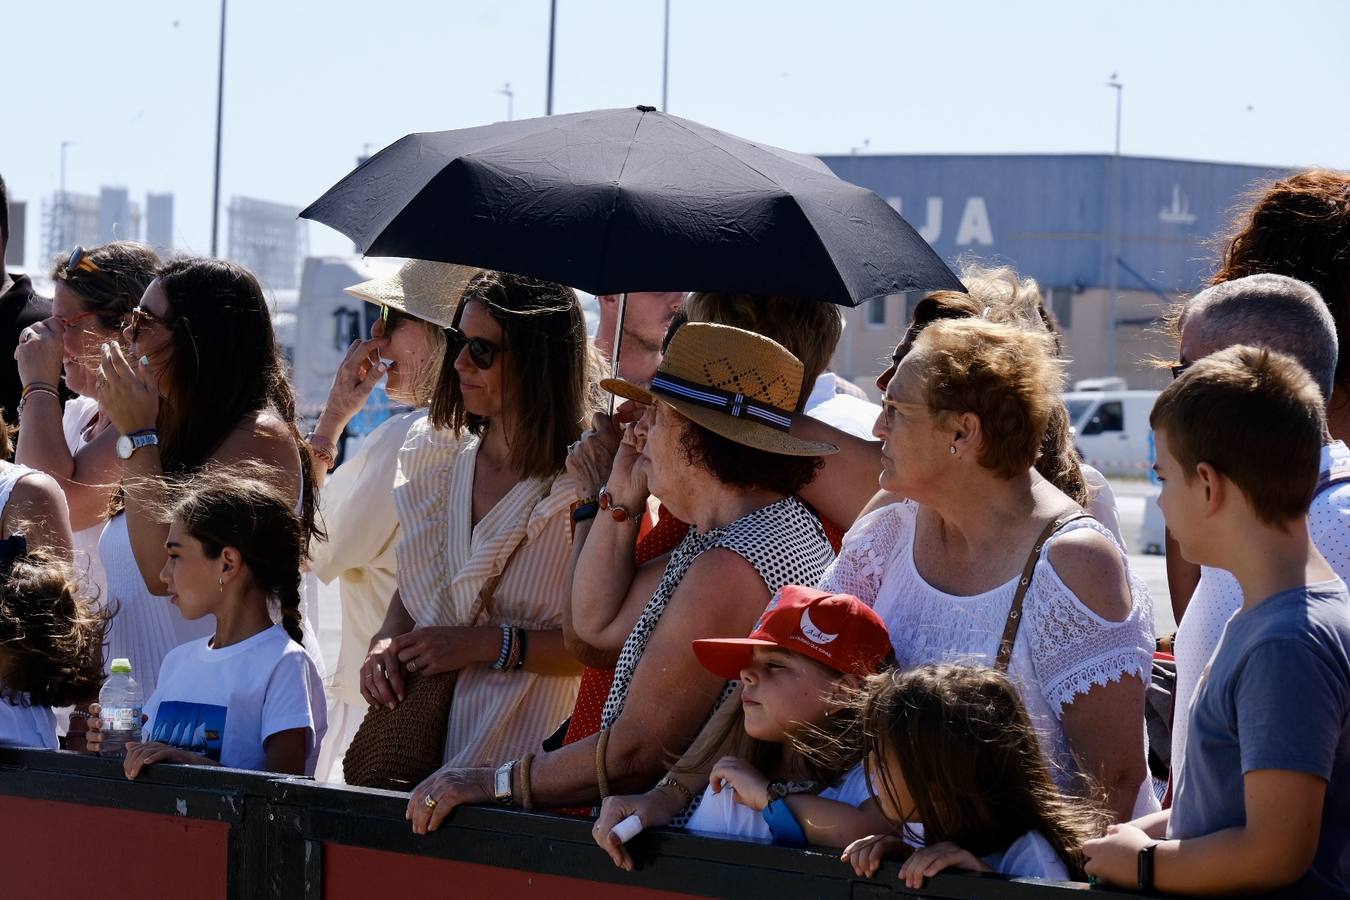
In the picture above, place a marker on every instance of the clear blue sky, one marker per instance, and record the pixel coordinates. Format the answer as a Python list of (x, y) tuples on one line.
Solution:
[(309, 83)]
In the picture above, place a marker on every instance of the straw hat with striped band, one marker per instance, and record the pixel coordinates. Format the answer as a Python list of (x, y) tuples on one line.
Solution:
[(426, 290), (736, 383)]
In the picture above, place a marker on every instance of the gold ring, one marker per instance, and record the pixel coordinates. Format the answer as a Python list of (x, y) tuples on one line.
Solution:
[(430, 801)]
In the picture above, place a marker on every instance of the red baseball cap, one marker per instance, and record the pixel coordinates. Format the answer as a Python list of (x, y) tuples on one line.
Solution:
[(837, 630)]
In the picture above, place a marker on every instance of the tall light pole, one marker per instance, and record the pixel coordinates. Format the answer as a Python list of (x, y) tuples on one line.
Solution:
[(220, 109), (665, 63), (63, 204), (1113, 244), (510, 101), (552, 38)]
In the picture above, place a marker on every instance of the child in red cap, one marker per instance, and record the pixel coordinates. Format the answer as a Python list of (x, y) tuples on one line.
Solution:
[(809, 651)]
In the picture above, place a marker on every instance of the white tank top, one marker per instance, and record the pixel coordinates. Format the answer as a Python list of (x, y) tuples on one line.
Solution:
[(75, 418)]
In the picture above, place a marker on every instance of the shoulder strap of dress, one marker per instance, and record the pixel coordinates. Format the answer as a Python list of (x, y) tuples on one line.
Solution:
[(1005, 647)]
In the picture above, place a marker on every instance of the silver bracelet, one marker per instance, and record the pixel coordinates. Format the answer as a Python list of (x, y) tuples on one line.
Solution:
[(505, 655)]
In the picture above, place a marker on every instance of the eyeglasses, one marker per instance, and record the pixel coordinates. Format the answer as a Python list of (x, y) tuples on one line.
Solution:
[(1180, 369), (74, 320), (140, 318), (390, 317), (80, 262), (482, 352)]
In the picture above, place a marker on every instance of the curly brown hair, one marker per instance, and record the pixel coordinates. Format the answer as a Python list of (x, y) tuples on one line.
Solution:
[(741, 466), (1299, 226), (51, 637), (971, 760)]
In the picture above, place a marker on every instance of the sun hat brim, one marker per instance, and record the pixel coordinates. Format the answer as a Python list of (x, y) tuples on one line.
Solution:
[(742, 431), (725, 657), (426, 278)]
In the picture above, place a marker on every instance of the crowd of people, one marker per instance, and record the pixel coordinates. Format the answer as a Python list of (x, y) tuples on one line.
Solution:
[(720, 590)]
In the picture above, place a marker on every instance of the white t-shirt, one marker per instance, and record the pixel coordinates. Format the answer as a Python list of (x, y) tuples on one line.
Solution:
[(1218, 597), (1030, 856), (27, 726), (720, 813), (226, 703), (846, 412)]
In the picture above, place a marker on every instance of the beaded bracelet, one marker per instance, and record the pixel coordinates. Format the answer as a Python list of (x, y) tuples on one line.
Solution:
[(505, 655)]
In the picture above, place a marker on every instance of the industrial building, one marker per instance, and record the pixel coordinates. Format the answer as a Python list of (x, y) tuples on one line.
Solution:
[(1084, 226), (269, 240)]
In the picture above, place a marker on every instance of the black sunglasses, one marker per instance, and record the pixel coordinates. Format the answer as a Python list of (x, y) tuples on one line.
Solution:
[(79, 261), (390, 317), (482, 352), (142, 318)]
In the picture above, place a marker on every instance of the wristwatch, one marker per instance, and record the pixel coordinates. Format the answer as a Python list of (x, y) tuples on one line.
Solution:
[(128, 444), (501, 782)]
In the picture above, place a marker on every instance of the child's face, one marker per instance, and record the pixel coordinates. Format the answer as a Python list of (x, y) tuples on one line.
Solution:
[(192, 578), (893, 795), (782, 690), (1183, 502)]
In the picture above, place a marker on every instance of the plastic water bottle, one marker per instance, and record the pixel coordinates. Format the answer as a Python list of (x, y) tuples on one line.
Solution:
[(120, 702)]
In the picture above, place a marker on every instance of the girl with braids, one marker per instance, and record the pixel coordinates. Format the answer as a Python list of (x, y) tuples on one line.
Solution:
[(51, 642), (249, 696), (203, 383), (957, 769)]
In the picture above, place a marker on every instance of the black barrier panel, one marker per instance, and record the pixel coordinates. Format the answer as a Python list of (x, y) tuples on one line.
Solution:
[(287, 834)]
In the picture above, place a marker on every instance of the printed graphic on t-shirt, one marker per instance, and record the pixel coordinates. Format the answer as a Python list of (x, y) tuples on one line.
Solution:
[(196, 727)]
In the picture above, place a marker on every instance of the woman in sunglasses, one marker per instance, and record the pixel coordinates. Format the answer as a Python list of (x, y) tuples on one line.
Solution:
[(96, 290), (486, 517), (407, 347), (203, 384)]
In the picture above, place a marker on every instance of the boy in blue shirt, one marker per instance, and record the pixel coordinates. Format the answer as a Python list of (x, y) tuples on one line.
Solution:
[(1263, 798)]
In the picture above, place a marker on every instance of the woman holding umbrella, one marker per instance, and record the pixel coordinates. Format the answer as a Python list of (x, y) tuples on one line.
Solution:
[(718, 453)]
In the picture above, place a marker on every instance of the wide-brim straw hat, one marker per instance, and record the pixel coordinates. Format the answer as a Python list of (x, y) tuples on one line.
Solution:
[(425, 290), (735, 383)]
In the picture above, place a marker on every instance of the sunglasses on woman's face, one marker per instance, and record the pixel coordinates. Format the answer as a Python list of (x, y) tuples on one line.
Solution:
[(142, 318), (390, 317), (482, 352), (75, 320)]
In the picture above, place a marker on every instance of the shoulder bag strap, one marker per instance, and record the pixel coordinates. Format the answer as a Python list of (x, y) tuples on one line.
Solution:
[(1005, 647)]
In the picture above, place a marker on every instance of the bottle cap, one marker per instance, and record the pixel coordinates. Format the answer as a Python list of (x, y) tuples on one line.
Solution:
[(120, 666)]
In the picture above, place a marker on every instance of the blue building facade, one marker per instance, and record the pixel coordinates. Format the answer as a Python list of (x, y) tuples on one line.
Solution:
[(1050, 216)]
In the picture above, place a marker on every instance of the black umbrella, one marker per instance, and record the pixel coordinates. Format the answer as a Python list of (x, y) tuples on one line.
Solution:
[(622, 200)]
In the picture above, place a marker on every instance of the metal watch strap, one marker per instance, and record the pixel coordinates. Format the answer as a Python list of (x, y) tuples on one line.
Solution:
[(501, 782)]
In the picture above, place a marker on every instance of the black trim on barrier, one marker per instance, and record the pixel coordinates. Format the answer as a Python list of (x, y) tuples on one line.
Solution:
[(278, 828)]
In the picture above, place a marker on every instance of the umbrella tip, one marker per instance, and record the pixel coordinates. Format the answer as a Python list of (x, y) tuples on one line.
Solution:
[(646, 109)]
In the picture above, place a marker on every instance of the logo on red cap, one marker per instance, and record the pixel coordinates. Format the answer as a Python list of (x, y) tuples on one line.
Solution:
[(812, 632)]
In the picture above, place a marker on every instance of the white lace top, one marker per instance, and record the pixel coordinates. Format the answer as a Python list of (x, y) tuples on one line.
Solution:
[(1062, 650)]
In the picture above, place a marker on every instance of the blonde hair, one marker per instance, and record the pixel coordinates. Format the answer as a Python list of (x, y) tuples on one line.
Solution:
[(1006, 376), (809, 329)]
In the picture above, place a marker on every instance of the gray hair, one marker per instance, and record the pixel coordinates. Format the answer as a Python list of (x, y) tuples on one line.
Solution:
[(1273, 311)]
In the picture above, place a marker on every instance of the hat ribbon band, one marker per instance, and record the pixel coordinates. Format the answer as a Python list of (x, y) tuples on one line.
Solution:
[(736, 405)]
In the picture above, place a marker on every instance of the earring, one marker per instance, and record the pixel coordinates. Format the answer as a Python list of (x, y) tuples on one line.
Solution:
[(222, 584), (952, 449)]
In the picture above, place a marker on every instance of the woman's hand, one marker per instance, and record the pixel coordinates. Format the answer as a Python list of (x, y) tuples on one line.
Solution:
[(627, 482), (1114, 859), (141, 754), (356, 377), (750, 786), (446, 648), (589, 460), (382, 675), (866, 854), (926, 862), (40, 352), (437, 796), (127, 393), (653, 809)]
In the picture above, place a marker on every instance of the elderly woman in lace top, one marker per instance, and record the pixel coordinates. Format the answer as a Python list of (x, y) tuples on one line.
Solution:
[(962, 424)]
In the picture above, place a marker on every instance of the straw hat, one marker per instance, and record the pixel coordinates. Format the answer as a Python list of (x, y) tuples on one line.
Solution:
[(426, 290), (736, 383)]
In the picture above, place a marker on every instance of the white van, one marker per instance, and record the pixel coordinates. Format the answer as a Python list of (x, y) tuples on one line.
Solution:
[(1111, 429)]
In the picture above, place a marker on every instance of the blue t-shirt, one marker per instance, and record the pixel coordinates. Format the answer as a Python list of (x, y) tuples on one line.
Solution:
[(1276, 695)]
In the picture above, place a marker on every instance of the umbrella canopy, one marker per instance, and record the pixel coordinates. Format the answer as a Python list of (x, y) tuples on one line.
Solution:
[(631, 200)]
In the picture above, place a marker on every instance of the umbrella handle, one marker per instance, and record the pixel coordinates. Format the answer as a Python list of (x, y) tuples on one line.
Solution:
[(618, 344)]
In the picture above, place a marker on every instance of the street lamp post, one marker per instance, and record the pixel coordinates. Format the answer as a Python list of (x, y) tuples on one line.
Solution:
[(552, 38), (220, 108), (510, 101), (665, 62), (1113, 244), (63, 206)]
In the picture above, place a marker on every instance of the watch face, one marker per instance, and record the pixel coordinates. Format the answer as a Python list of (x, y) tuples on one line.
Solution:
[(124, 447)]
